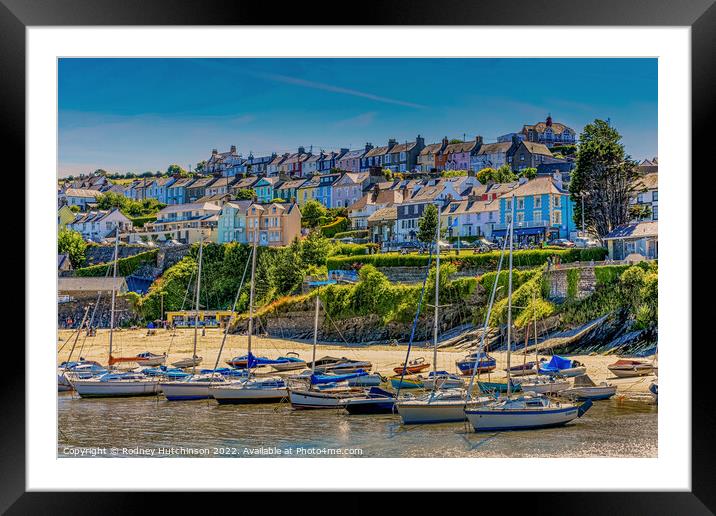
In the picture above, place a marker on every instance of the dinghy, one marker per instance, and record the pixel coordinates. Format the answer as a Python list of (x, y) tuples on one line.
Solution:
[(625, 368), (414, 366), (543, 384), (525, 369), (369, 380), (322, 391), (115, 385), (290, 362), (443, 380), (150, 359), (186, 363), (407, 382), (562, 366), (254, 390), (498, 387), (585, 389), (439, 407), (478, 362)]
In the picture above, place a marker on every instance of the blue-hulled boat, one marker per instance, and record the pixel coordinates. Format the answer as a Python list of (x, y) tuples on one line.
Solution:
[(562, 366), (375, 401), (407, 382), (480, 360), (497, 387)]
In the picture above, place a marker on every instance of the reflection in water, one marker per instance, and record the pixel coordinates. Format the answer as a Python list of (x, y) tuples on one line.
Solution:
[(609, 429)]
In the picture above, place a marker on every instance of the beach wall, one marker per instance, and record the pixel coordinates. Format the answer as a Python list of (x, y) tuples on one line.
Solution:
[(570, 283)]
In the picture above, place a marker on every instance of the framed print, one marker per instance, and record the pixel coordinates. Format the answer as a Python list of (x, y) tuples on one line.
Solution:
[(416, 252)]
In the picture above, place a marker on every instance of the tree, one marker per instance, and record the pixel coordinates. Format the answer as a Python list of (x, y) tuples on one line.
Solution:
[(312, 213), (639, 212), (529, 173), (486, 175), (287, 271), (602, 179), (175, 169), (504, 174), (314, 249), (455, 140), (453, 173), (111, 200), (72, 244), (200, 167), (245, 194), (427, 224)]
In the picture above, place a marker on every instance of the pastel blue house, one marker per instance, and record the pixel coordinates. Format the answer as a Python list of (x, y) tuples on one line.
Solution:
[(264, 189), (158, 189), (177, 191), (323, 192), (543, 211), (232, 222)]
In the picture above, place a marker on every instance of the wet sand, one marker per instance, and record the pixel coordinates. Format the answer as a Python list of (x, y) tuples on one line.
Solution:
[(179, 344)]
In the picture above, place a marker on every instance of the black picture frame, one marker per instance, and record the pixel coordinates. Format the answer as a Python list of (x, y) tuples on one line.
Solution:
[(700, 15)]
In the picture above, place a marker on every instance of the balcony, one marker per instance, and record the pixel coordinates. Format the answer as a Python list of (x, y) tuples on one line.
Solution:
[(526, 224)]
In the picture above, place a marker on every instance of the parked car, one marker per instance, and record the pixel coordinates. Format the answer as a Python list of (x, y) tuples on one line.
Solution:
[(561, 242), (585, 242)]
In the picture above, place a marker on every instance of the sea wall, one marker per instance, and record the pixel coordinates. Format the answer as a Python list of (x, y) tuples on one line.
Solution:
[(570, 282)]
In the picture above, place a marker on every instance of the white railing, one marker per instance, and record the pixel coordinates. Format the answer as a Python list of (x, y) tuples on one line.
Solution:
[(526, 224)]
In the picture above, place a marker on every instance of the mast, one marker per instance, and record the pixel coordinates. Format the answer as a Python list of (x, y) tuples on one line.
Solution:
[(253, 284), (196, 305), (437, 295), (534, 314), (315, 336), (114, 293), (509, 298)]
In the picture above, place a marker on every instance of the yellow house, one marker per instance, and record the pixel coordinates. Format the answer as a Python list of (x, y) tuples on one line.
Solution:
[(306, 192), (65, 216)]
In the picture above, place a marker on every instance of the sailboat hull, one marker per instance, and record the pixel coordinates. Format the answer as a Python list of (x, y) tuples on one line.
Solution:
[(545, 388), (422, 412), (233, 395), (98, 389), (497, 420), (177, 391), (591, 393), (369, 406), (305, 399)]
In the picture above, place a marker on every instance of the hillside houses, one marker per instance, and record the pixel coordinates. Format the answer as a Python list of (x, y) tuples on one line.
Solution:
[(100, 224)]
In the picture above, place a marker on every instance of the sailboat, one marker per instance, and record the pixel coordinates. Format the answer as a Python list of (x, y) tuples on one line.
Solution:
[(443, 404), (321, 391), (114, 384), (251, 389), (551, 384), (526, 411)]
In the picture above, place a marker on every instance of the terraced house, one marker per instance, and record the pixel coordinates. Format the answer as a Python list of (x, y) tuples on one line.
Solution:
[(288, 189), (223, 163), (258, 166), (528, 155), (274, 224), (329, 160), (403, 157), (351, 160), (293, 164), (100, 224), (470, 217), (264, 189), (197, 189), (349, 187), (549, 133), (273, 168), (176, 192), (459, 155), (158, 188), (377, 156), (323, 191), (429, 157), (232, 222), (543, 210)]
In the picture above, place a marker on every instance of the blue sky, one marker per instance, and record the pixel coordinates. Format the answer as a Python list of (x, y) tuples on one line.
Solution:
[(144, 114)]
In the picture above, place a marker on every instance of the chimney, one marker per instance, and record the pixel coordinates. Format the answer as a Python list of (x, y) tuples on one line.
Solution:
[(404, 192), (516, 139), (301, 150), (420, 141), (445, 141), (374, 194), (391, 143), (214, 152), (233, 149), (368, 146), (557, 177), (478, 139)]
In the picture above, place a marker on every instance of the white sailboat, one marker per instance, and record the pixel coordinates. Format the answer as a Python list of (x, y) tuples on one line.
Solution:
[(113, 384), (447, 398), (194, 387), (250, 389), (321, 391), (526, 411)]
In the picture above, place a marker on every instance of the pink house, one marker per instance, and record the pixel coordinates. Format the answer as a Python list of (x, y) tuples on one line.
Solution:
[(459, 155), (350, 161)]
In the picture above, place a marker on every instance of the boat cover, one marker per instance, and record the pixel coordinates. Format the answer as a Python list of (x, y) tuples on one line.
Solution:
[(333, 378), (253, 361), (556, 364)]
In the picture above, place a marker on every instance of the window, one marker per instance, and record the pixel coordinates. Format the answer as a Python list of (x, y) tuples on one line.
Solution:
[(557, 201), (537, 215), (655, 195), (557, 218), (520, 204), (538, 201), (520, 218), (655, 213), (508, 205)]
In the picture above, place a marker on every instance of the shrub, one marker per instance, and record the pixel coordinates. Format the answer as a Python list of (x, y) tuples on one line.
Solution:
[(348, 250), (125, 266), (339, 225), (356, 233), (139, 222)]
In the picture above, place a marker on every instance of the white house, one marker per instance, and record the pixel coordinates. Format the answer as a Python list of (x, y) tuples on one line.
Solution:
[(470, 217), (97, 225), (81, 197), (646, 193)]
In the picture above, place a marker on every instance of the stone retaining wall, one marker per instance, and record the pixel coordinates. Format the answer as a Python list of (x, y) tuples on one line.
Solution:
[(559, 282)]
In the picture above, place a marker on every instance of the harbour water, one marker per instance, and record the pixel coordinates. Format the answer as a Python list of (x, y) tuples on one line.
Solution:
[(159, 428)]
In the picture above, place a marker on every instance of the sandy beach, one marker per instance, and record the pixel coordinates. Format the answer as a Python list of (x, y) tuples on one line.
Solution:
[(179, 344)]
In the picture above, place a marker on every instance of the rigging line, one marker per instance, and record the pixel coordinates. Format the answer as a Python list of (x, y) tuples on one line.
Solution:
[(174, 333), (481, 348), (233, 311), (415, 323)]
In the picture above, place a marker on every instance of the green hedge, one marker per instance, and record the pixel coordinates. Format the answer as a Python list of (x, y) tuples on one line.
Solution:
[(357, 233), (339, 225), (607, 274), (349, 250), (522, 258), (139, 222), (125, 266)]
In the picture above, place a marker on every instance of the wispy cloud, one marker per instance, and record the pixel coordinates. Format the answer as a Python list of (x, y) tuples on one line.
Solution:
[(335, 89), (362, 120)]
